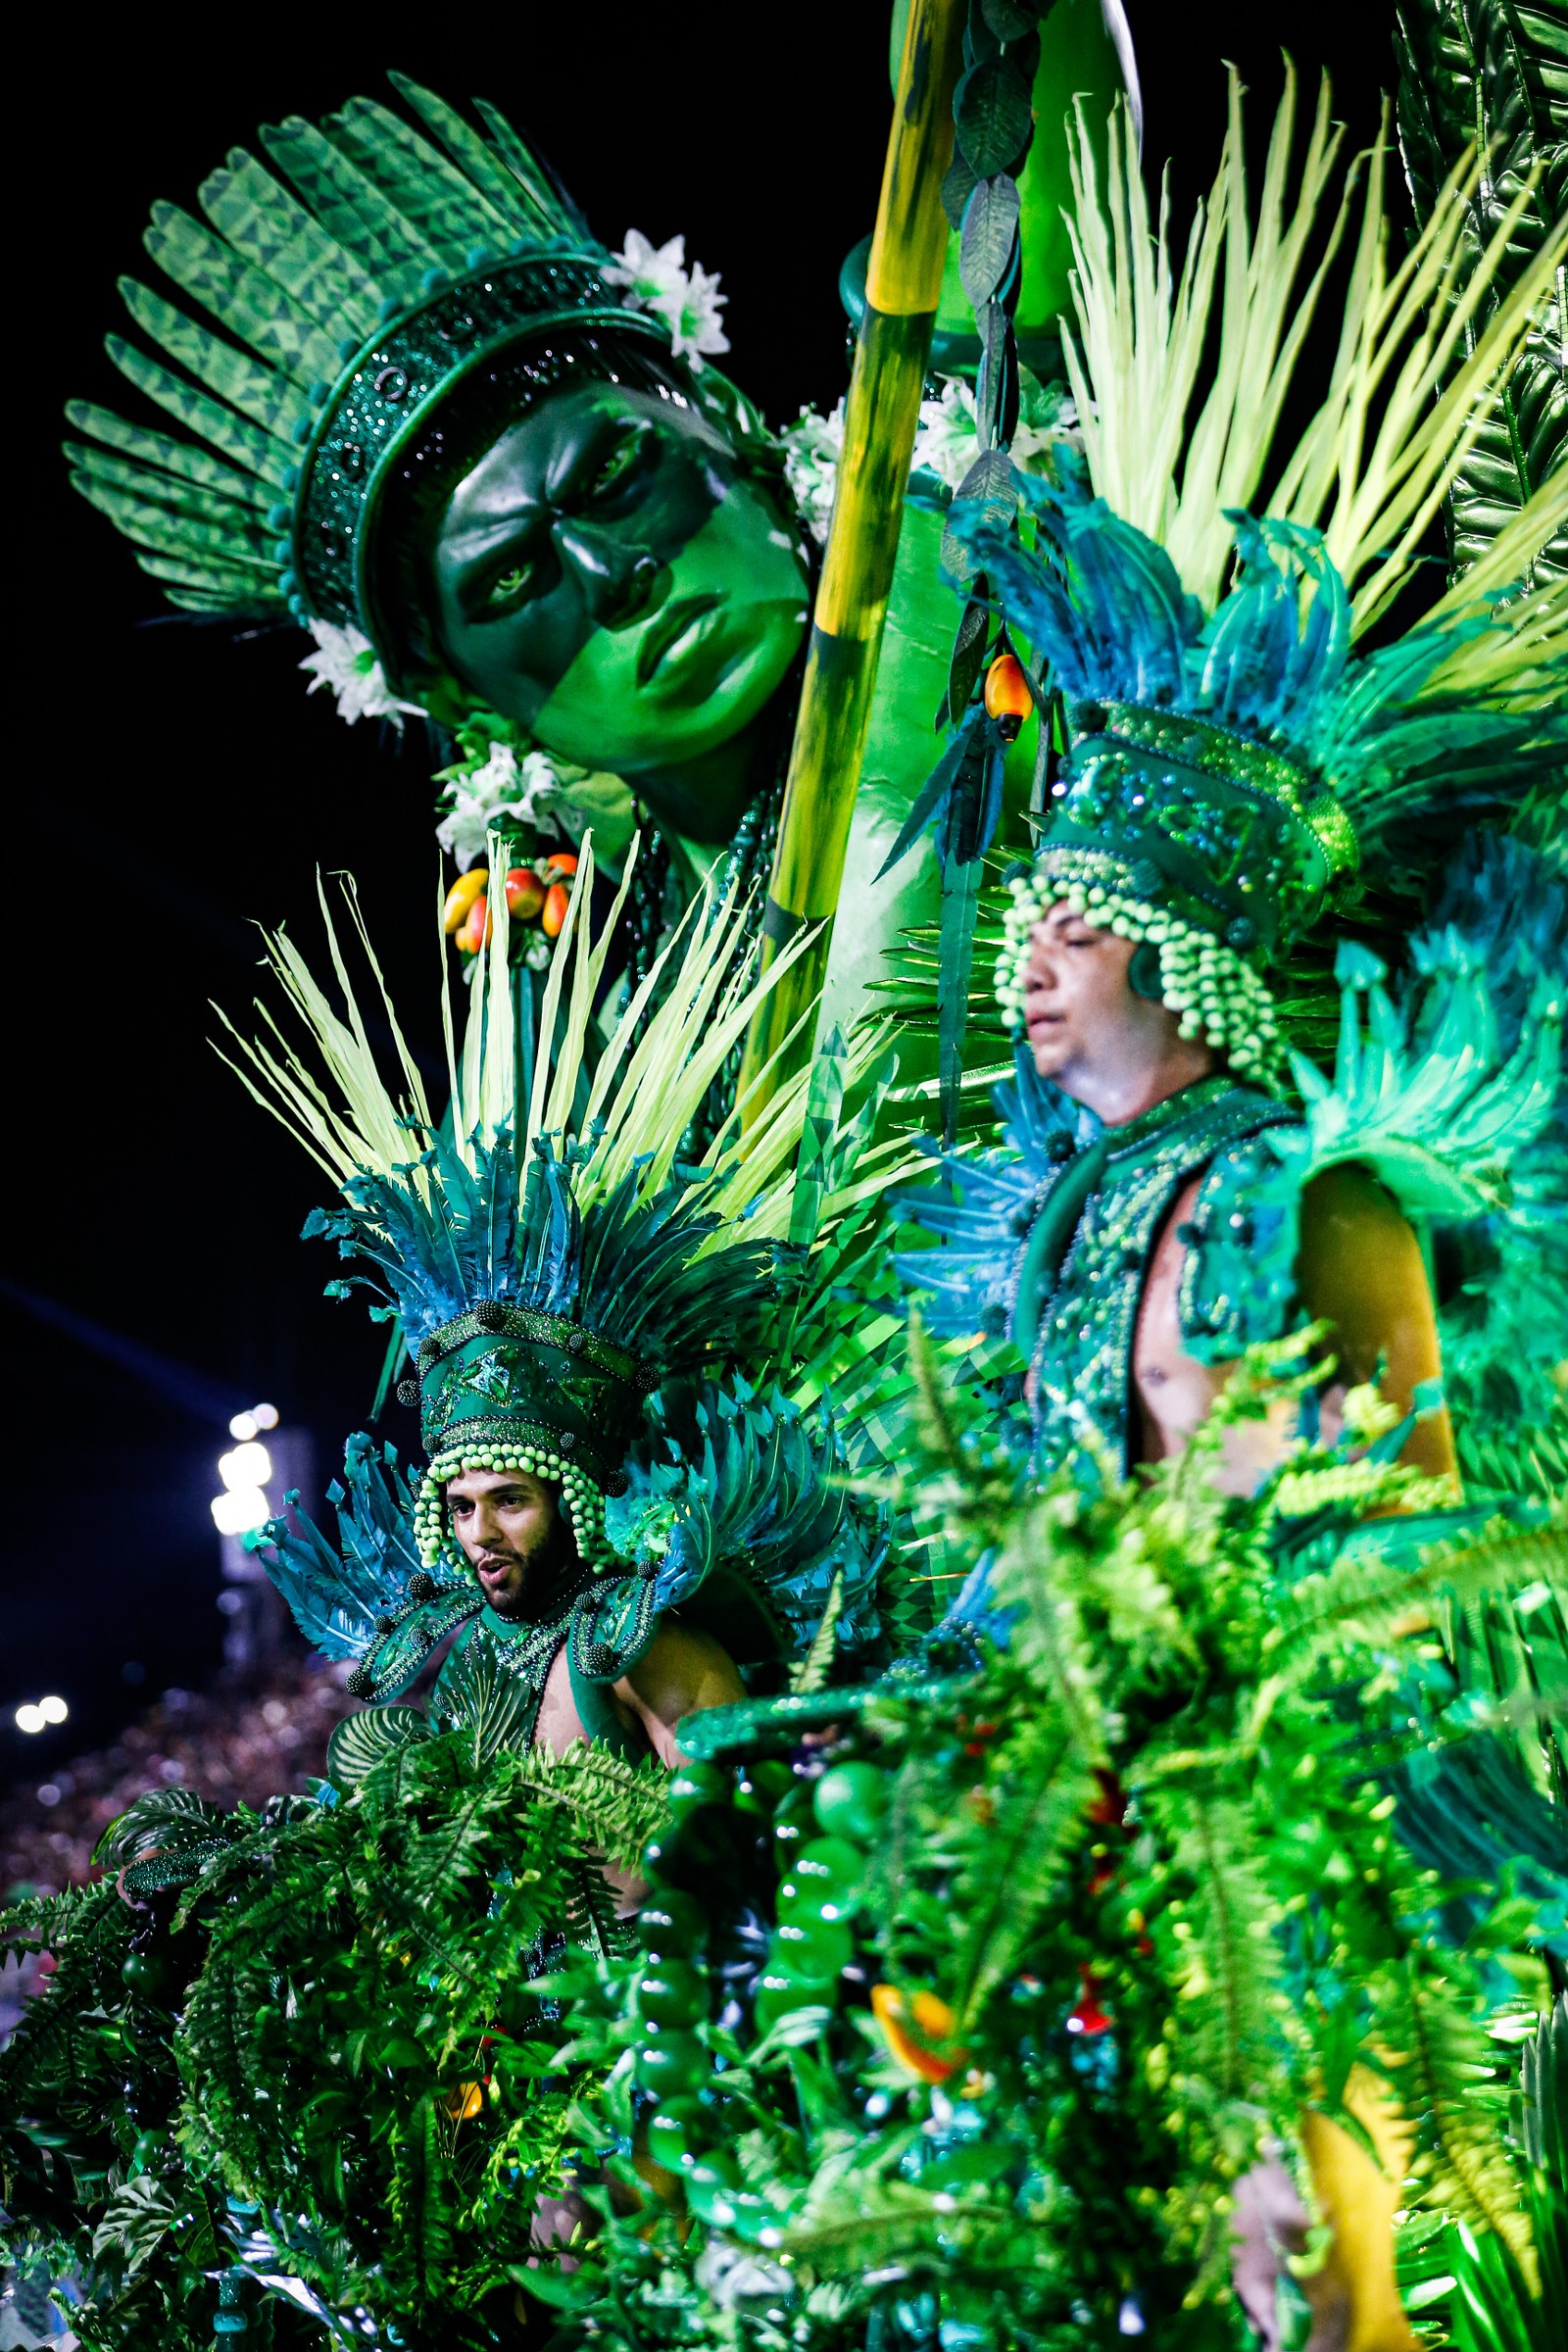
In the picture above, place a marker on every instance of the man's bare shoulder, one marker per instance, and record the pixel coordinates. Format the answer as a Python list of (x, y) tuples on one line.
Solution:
[(682, 1671)]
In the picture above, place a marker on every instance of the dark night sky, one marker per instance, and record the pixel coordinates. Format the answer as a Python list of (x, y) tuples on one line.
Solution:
[(171, 785)]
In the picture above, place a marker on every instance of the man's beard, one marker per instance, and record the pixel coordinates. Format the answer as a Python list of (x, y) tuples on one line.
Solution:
[(545, 1568)]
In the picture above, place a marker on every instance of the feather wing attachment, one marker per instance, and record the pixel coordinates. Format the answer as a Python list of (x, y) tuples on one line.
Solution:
[(367, 1596), (1442, 1091), (337, 1592), (1422, 1094), (737, 1487), (1457, 716), (982, 1211), (1504, 1322)]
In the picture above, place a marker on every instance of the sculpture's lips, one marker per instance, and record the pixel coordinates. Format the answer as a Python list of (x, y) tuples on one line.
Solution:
[(677, 630)]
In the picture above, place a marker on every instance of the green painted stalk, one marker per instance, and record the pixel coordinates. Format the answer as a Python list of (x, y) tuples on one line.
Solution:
[(903, 283)]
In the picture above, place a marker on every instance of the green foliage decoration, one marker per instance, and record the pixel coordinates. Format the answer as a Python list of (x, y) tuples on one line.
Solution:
[(964, 2017), (1470, 70), (1127, 1903), (336, 2040)]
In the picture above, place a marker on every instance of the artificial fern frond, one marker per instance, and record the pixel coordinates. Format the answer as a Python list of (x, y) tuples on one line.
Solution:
[(617, 1805), (421, 2207), (1226, 1957), (814, 1669), (1036, 1820), (1443, 2071)]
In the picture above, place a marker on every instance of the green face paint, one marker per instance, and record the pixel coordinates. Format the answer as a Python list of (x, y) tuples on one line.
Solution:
[(606, 576)]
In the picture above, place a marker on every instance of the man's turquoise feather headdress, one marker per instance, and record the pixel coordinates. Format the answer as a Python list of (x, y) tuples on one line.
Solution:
[(1234, 764), (553, 1256)]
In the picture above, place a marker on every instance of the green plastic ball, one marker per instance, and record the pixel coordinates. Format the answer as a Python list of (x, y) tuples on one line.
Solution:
[(778, 1994), (793, 1823), (824, 1880), (671, 1994), (698, 1785), (671, 2062), (671, 1924), (813, 1951), (711, 2181), (677, 2131), (851, 1800)]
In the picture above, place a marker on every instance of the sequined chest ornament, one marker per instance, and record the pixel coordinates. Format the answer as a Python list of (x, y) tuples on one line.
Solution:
[(1077, 1282)]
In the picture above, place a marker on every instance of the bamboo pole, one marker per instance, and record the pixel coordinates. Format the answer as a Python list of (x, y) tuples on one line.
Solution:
[(903, 282)]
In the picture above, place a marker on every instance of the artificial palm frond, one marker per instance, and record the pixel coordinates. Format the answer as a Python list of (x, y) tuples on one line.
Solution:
[(1421, 348), (1362, 1598), (1470, 70), (1443, 2073), (576, 1201)]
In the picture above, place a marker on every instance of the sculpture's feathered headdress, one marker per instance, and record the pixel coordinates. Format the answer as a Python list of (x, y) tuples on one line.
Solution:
[(345, 288), (1233, 761), (553, 1257)]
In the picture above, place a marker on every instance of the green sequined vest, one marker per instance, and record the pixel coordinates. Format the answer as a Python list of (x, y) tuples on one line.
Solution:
[(605, 1626), (1078, 1280)]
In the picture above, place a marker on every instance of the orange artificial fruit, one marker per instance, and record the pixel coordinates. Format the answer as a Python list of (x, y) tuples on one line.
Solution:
[(473, 932), (465, 2100), (562, 862), (526, 893), (461, 897), (1008, 696), (911, 2024), (556, 900)]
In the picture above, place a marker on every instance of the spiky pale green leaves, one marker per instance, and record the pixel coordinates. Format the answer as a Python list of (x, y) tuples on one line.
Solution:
[(1422, 346), (652, 1075)]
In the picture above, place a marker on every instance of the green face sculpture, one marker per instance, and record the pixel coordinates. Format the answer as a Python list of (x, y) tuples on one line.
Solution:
[(607, 575)]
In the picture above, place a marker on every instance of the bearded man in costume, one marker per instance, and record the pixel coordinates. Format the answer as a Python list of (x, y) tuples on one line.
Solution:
[(621, 1501)]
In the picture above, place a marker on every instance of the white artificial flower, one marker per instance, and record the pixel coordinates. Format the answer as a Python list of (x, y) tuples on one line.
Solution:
[(504, 786), (732, 2275), (947, 440), (946, 443), (813, 447), (345, 659), (656, 278)]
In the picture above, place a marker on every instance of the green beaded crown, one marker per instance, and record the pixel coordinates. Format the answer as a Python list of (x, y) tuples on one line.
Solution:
[(1235, 760), (361, 281), (1208, 846)]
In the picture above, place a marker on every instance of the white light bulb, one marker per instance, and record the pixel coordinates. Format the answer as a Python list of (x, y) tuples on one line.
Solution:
[(30, 1719), (265, 1416), (249, 1465), (239, 1510), (53, 1710), (243, 1426)]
